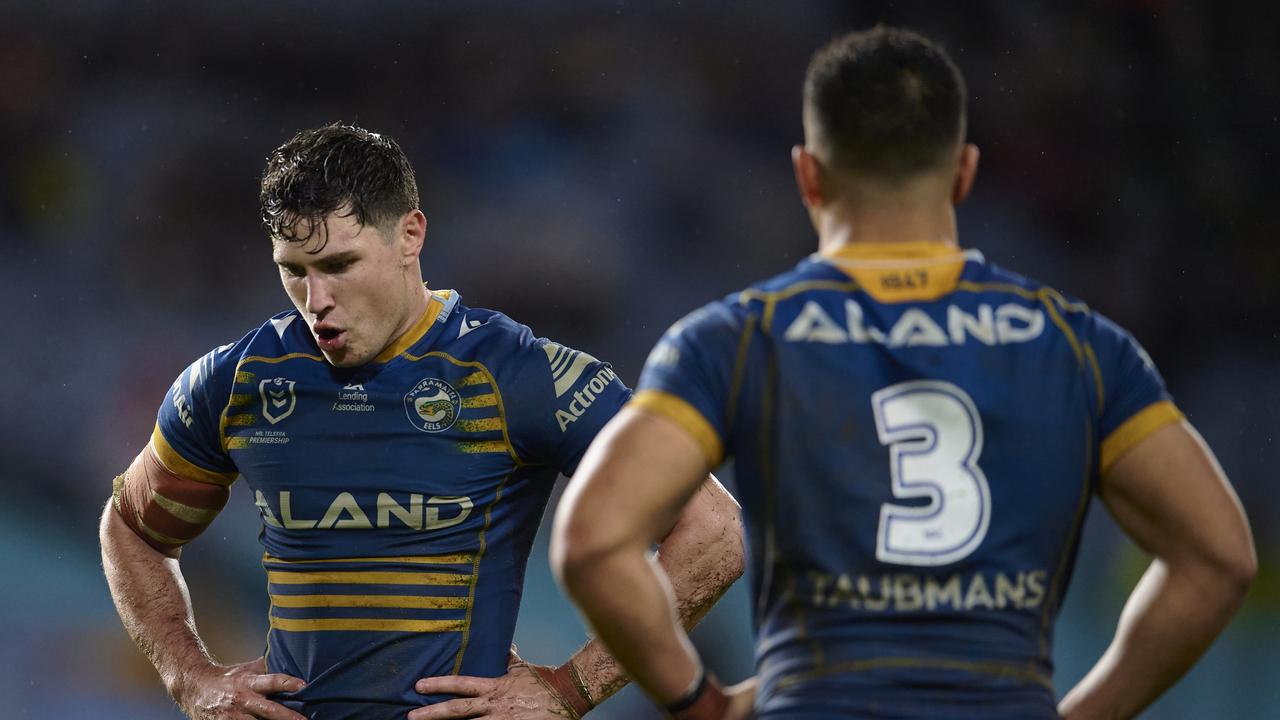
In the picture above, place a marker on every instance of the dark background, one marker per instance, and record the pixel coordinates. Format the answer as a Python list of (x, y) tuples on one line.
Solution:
[(596, 169)]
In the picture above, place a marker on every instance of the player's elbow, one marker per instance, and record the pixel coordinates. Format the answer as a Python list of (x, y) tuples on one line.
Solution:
[(1235, 563), (1239, 570), (712, 526), (723, 549), (735, 552), (577, 544), (1227, 568)]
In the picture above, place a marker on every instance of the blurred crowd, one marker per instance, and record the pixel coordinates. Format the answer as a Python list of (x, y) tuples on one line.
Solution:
[(596, 170)]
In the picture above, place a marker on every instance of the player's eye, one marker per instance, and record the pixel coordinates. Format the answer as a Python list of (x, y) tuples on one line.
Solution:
[(337, 267), (292, 270)]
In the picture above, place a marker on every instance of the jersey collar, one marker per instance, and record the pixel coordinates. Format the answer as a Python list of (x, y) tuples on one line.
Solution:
[(902, 272), (439, 306)]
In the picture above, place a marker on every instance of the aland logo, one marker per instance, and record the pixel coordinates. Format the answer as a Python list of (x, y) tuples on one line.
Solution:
[(432, 405)]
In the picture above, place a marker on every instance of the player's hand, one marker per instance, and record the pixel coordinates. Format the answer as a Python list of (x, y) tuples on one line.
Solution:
[(236, 692), (518, 695)]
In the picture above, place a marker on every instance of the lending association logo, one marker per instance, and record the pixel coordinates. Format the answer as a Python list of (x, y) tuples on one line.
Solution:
[(278, 399), (432, 405)]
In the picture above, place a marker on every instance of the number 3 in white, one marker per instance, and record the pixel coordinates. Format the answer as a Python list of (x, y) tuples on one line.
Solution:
[(934, 436)]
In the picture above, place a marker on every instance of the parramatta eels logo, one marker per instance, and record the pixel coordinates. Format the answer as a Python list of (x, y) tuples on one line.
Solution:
[(432, 405), (278, 399)]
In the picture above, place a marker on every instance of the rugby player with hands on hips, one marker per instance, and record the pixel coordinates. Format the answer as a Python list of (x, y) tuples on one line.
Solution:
[(917, 435), (400, 447)]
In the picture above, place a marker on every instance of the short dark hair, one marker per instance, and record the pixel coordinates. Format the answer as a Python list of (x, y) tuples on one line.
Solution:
[(886, 102), (330, 169)]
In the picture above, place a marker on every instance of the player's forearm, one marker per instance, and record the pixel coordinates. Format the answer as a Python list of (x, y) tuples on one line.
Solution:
[(628, 602), (702, 556), (153, 603), (1171, 618)]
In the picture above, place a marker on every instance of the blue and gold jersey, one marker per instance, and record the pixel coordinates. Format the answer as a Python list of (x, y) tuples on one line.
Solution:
[(399, 500), (916, 435)]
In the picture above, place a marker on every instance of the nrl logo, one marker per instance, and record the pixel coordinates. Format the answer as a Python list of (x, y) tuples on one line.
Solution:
[(278, 399), (432, 405)]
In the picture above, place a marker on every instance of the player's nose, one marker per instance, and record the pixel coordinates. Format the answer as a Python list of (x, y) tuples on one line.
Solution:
[(319, 295)]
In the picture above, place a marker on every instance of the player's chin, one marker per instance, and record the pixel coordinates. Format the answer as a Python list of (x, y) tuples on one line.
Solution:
[(344, 357)]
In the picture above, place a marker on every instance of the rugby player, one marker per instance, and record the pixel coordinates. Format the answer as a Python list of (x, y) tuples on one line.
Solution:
[(916, 436), (401, 448)]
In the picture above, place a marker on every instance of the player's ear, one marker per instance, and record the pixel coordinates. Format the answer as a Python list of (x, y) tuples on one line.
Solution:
[(410, 234), (808, 176), (966, 172)]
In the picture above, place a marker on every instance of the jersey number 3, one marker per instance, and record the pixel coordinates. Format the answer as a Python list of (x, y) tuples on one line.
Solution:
[(934, 436)]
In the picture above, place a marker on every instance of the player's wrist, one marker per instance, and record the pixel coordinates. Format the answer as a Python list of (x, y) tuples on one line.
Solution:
[(567, 685), (184, 683), (705, 700)]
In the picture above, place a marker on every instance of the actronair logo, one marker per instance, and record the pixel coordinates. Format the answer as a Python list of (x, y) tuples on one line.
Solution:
[(583, 399), (566, 365)]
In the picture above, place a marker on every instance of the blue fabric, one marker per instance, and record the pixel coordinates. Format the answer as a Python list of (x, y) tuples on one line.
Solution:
[(403, 492), (914, 477)]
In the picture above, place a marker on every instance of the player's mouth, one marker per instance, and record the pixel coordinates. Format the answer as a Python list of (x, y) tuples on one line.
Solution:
[(330, 339)]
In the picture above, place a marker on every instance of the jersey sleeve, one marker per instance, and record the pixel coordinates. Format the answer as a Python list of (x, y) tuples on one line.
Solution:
[(689, 376), (187, 438), (1134, 401), (561, 399)]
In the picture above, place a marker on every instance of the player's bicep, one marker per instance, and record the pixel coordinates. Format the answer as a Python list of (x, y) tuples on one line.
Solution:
[(1168, 493), (690, 376), (162, 507), (639, 473)]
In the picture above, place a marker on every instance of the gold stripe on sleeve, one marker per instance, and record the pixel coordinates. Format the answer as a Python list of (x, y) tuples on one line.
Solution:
[(184, 512), (479, 401), (365, 625), (678, 410), (1139, 426), (161, 537), (173, 461)]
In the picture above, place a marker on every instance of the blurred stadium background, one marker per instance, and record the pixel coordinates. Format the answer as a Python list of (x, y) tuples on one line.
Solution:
[(596, 169)]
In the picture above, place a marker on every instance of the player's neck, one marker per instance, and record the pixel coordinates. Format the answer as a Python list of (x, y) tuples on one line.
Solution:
[(838, 228), (419, 300)]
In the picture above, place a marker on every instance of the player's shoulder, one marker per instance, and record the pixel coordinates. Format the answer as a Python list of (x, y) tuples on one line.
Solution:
[(486, 336), (727, 319), (1067, 311), (810, 274), (506, 347), (993, 280), (283, 335), (750, 303)]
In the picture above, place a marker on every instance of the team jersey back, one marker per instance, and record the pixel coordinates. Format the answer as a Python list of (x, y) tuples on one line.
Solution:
[(915, 441), (399, 499)]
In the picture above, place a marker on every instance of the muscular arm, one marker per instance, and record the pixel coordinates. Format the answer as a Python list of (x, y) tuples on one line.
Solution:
[(701, 557), (1171, 497), (630, 487), (151, 597)]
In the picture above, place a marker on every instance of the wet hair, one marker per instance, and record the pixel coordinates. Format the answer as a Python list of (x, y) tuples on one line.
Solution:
[(886, 103), (335, 168)]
